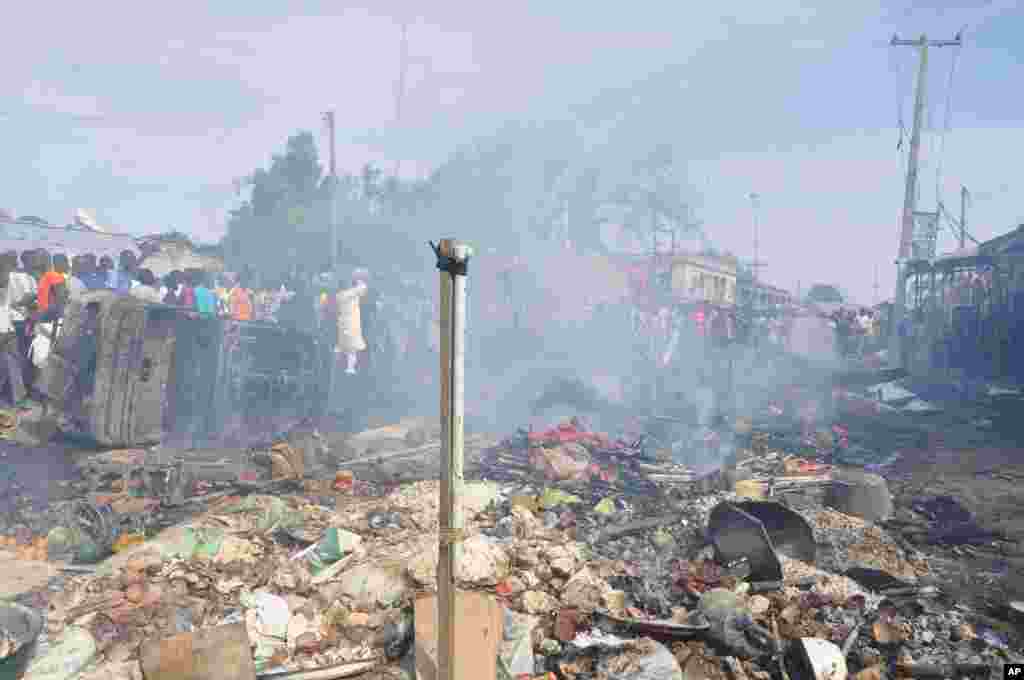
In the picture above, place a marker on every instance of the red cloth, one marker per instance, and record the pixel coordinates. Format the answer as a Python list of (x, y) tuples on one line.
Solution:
[(49, 280)]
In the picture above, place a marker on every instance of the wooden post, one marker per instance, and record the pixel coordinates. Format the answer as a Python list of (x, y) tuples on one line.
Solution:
[(452, 260)]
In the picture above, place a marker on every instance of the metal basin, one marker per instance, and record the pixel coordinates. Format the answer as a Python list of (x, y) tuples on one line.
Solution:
[(25, 626)]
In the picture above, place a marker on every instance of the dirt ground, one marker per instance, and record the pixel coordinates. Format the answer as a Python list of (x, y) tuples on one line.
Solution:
[(19, 576), (988, 482)]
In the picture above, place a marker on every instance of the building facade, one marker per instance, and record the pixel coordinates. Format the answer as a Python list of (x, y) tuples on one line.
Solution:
[(760, 295), (704, 278)]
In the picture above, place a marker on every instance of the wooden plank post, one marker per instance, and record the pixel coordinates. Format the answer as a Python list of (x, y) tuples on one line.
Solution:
[(452, 260)]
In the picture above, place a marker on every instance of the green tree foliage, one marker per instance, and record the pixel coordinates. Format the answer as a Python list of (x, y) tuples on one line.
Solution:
[(285, 221), (285, 212), (545, 180)]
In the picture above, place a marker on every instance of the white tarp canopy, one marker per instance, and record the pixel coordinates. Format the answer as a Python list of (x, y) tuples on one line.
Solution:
[(171, 258)]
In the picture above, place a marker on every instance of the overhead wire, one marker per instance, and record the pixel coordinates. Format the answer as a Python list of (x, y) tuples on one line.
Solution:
[(956, 223), (947, 123)]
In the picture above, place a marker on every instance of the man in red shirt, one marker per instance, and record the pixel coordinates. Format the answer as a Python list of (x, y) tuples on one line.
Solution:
[(57, 274)]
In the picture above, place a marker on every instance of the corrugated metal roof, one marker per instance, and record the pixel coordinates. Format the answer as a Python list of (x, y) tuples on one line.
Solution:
[(21, 236)]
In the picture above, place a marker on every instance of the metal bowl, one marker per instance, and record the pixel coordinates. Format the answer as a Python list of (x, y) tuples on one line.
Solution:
[(24, 625)]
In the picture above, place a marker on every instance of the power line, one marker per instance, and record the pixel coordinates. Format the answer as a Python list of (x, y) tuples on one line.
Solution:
[(956, 223), (947, 123)]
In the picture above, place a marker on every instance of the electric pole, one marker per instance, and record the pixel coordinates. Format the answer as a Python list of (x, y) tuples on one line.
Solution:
[(910, 193), (403, 65), (333, 226), (333, 231), (755, 204), (963, 217)]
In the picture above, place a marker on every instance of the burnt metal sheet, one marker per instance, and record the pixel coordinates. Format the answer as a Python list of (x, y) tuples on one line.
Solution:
[(737, 535), (788, 530)]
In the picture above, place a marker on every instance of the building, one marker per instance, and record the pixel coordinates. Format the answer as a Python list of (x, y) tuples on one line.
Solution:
[(966, 311), (24, 235), (766, 297), (705, 278)]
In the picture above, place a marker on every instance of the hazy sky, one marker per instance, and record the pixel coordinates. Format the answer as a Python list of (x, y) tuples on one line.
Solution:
[(147, 112)]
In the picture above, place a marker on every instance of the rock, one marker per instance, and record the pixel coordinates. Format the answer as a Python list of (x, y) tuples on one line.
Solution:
[(514, 585), (563, 566), (288, 577), (964, 631), (585, 591), (886, 633), (530, 580), (643, 659), (550, 647), (525, 524), (482, 563), (358, 619), (373, 585), (869, 656), (422, 569), (758, 604), (300, 605), (307, 643), (527, 556), (566, 624), (301, 625), (538, 602)]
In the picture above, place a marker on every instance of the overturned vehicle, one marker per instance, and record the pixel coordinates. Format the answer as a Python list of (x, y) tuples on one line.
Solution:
[(125, 373)]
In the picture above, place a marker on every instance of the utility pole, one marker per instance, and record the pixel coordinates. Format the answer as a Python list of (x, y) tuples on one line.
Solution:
[(329, 118), (910, 193), (333, 231), (755, 204), (963, 217), (403, 66)]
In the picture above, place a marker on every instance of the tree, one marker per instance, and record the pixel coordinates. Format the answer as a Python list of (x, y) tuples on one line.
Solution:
[(286, 210)]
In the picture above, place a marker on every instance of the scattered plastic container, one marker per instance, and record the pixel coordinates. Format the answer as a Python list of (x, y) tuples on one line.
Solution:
[(65, 658)]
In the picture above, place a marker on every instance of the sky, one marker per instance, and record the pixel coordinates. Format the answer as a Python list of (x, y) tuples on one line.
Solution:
[(147, 114)]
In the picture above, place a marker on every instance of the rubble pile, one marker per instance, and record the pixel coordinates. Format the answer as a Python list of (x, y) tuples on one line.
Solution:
[(599, 572), (593, 461)]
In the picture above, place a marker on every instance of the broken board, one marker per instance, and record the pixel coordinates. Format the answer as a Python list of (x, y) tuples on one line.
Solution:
[(478, 634)]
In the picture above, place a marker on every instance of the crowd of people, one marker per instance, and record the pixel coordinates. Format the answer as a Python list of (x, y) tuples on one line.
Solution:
[(37, 286), (858, 331)]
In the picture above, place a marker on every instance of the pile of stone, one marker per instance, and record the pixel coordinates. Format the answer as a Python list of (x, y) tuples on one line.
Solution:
[(650, 602)]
